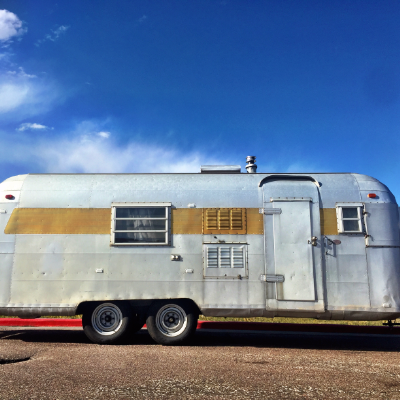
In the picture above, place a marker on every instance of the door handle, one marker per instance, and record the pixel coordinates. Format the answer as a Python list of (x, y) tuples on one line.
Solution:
[(313, 241)]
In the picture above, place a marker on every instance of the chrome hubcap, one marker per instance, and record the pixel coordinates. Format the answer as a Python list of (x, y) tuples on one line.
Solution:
[(171, 320), (107, 319)]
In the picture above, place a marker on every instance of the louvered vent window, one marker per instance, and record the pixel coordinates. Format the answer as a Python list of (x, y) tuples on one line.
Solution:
[(225, 260), (225, 257), (224, 220)]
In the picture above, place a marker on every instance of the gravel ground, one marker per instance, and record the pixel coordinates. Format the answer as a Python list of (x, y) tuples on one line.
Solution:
[(62, 364)]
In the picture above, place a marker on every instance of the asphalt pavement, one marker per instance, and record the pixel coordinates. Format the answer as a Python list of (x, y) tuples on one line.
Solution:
[(60, 363)]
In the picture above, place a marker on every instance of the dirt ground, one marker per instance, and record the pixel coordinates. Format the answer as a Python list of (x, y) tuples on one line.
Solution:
[(63, 364)]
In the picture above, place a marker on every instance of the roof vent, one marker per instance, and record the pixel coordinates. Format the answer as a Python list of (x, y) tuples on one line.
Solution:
[(251, 167), (220, 169)]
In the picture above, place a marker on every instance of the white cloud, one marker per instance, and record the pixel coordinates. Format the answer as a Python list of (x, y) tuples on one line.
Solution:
[(23, 95), (21, 73), (104, 135), (31, 126), (54, 35), (12, 96), (96, 155), (91, 154), (10, 26)]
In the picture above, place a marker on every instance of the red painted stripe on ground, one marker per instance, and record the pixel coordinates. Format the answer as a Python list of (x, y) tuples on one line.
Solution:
[(38, 322), (239, 326)]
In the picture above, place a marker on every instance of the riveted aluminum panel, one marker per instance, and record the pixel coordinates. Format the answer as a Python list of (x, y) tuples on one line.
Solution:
[(6, 262), (382, 197), (13, 183), (384, 275), (350, 295), (181, 189), (345, 265), (223, 293), (368, 184), (63, 264), (348, 268), (338, 188), (381, 222), (371, 185), (7, 242)]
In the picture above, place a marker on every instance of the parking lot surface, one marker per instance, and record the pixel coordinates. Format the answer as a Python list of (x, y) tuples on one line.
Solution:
[(56, 363)]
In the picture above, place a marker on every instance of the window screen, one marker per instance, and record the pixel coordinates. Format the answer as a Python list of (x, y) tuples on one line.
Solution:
[(140, 224), (349, 218)]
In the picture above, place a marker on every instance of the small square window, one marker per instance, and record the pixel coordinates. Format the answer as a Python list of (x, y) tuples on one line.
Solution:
[(349, 218), (140, 223)]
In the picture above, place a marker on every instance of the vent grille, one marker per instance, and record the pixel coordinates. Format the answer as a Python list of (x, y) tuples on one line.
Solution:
[(224, 220), (212, 257), (212, 219), (225, 257), (237, 219)]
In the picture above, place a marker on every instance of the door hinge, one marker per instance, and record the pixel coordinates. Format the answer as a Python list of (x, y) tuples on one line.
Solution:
[(270, 211), (272, 278)]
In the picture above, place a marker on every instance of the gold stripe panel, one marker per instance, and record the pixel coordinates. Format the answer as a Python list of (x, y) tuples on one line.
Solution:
[(98, 221), (328, 221), (255, 222), (59, 221), (48, 221), (187, 221)]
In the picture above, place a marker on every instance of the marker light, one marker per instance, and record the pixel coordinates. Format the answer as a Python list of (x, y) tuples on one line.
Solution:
[(10, 197), (371, 195)]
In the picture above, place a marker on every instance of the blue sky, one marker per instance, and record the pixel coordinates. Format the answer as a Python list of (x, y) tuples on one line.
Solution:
[(165, 86)]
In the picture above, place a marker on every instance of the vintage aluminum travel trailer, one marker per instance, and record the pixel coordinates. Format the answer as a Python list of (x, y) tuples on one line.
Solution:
[(125, 249)]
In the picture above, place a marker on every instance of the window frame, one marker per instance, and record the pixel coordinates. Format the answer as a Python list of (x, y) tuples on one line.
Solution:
[(341, 219), (167, 220)]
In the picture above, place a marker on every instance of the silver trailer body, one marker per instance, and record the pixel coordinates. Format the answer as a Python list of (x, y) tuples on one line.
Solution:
[(298, 245)]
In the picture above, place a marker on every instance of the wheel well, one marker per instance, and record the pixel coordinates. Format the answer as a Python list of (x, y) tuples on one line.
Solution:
[(83, 306), (178, 300), (141, 306)]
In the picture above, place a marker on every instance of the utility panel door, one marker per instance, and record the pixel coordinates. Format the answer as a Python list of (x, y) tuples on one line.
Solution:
[(293, 251)]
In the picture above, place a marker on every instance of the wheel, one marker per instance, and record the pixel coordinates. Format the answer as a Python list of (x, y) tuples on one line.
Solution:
[(107, 323), (172, 322)]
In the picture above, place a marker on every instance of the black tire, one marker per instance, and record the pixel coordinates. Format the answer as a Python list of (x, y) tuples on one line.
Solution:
[(107, 323), (172, 322)]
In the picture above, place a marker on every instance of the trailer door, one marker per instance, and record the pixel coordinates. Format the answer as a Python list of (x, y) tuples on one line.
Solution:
[(293, 258), (293, 249)]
